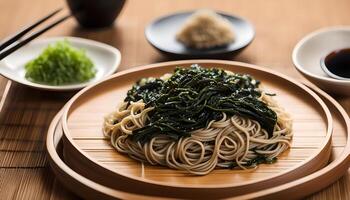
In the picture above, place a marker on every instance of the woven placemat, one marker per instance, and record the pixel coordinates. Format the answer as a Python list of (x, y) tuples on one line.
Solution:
[(24, 119)]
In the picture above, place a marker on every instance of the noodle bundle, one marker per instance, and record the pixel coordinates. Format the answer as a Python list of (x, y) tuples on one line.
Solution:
[(229, 139)]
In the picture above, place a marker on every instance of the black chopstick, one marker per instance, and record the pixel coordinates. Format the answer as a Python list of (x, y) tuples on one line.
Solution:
[(25, 30), (31, 37)]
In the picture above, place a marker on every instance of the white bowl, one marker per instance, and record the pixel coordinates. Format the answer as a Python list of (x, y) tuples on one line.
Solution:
[(307, 55), (106, 60)]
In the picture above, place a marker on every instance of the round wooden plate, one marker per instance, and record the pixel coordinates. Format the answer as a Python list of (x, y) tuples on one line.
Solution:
[(89, 153), (339, 164)]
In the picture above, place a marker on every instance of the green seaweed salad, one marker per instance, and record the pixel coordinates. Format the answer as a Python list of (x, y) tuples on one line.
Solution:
[(192, 97), (60, 64)]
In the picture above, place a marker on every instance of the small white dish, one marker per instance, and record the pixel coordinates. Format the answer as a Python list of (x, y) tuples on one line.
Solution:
[(309, 51), (106, 60)]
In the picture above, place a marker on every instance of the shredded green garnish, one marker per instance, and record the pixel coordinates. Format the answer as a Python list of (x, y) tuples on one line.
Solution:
[(192, 97), (60, 64)]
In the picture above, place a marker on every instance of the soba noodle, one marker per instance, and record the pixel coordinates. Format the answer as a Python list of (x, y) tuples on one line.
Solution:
[(232, 142)]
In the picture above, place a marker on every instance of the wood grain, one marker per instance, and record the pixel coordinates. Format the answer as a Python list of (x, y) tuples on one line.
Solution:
[(279, 25)]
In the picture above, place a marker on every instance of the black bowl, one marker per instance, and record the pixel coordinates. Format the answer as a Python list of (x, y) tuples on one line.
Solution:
[(161, 34), (95, 13)]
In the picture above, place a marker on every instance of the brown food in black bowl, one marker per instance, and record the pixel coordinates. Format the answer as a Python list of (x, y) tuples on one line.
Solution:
[(95, 13)]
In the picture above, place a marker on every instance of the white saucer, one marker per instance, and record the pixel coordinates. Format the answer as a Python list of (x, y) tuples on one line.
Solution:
[(308, 52), (105, 58)]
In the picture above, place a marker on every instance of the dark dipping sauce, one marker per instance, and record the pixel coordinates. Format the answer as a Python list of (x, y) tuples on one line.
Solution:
[(338, 62)]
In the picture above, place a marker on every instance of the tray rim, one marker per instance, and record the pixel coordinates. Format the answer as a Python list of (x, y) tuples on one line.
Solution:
[(344, 158), (324, 147)]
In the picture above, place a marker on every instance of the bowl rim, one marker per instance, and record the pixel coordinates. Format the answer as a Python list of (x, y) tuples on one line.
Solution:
[(308, 37)]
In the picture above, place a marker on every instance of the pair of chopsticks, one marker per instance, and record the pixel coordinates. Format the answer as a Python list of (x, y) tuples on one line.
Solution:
[(18, 36)]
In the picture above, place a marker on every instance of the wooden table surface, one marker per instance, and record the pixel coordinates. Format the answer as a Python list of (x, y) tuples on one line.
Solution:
[(26, 113)]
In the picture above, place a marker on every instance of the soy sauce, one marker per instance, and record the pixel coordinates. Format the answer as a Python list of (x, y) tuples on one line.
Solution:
[(338, 62)]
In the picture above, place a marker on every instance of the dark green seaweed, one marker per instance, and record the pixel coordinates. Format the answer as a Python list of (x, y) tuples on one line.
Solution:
[(192, 97)]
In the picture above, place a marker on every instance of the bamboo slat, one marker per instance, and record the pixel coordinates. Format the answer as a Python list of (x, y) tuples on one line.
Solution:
[(31, 183)]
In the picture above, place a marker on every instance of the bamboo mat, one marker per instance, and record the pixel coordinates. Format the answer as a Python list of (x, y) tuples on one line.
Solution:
[(26, 113), (24, 170)]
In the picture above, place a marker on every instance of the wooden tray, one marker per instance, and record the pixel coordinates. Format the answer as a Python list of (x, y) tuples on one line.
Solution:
[(299, 188), (89, 153)]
